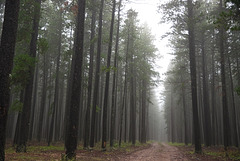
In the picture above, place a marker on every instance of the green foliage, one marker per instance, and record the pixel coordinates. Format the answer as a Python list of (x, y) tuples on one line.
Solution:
[(106, 69), (23, 64), (45, 148), (16, 106), (25, 20), (43, 45), (98, 109), (238, 90), (230, 17), (35, 152), (233, 154), (64, 158)]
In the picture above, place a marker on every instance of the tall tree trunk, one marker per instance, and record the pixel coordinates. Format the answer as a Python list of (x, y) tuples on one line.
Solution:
[(133, 102), (56, 92), (172, 119), (130, 46), (184, 110), (90, 73), (213, 102), (124, 98), (105, 105), (235, 128), (114, 88), (50, 82), (69, 88), (24, 127), (144, 97), (17, 128), (43, 99), (97, 76), (226, 130), (191, 40), (7, 48), (76, 73), (123, 104), (34, 104), (207, 118)]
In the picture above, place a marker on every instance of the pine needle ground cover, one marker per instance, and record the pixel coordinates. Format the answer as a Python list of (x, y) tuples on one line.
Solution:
[(40, 151), (213, 153)]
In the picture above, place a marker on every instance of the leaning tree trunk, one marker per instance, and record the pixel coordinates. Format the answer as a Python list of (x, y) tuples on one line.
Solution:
[(76, 73)]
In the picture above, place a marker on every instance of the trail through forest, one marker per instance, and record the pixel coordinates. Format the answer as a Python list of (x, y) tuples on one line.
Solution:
[(156, 152)]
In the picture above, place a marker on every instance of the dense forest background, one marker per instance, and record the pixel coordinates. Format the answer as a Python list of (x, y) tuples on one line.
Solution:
[(82, 72), (203, 80)]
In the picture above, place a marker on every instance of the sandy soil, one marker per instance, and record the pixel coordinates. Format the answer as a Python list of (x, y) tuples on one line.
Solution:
[(156, 152)]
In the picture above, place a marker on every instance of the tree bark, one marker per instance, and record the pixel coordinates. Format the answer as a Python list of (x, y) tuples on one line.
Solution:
[(191, 40), (89, 97), (43, 99), (105, 104), (235, 128), (8, 40), (97, 76), (184, 110), (76, 73), (114, 91), (226, 130), (144, 97), (56, 92), (24, 127), (34, 104), (207, 118)]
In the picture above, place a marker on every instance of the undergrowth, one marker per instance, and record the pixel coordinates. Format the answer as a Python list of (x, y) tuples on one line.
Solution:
[(39, 151)]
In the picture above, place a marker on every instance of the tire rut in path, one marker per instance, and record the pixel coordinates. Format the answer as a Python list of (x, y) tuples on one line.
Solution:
[(156, 152)]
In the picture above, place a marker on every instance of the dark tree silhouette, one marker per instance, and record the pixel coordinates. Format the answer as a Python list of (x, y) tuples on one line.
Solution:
[(89, 97), (191, 40), (97, 76), (76, 80), (24, 123), (8, 39), (105, 103)]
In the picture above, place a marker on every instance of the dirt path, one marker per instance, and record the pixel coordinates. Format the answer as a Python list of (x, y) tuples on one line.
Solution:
[(156, 152)]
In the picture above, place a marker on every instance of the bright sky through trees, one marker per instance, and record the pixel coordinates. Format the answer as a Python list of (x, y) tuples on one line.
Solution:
[(148, 13)]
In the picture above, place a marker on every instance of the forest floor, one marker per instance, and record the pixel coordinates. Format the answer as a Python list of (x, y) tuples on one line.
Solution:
[(139, 152)]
